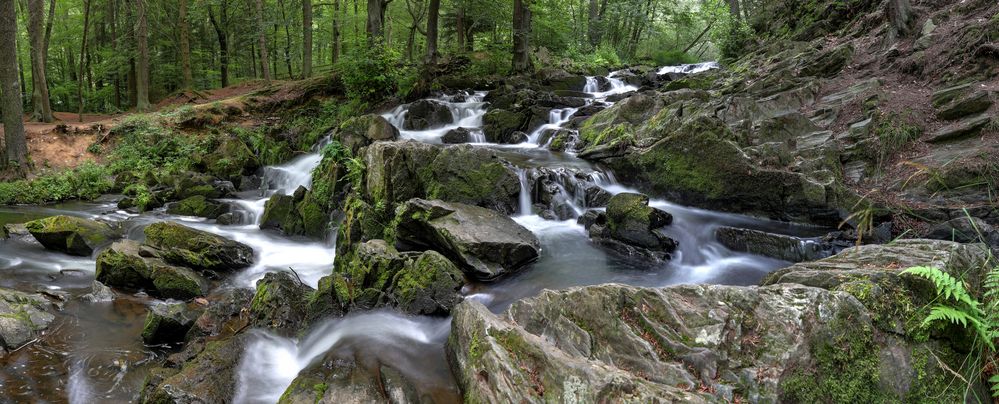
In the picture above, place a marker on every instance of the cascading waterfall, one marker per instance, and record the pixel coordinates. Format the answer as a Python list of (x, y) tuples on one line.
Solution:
[(689, 68), (467, 111), (525, 193)]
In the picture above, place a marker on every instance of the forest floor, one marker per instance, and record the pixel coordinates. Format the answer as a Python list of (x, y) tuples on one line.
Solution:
[(63, 144)]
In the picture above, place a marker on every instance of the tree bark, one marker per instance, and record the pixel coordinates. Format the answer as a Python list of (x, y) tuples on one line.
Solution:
[(287, 40), (593, 24), (336, 30), (42, 108), (376, 20), (262, 38), (221, 25), (48, 30), (307, 38), (733, 9), (142, 60), (83, 55), (185, 46), (460, 26), (13, 128), (521, 37), (433, 12)]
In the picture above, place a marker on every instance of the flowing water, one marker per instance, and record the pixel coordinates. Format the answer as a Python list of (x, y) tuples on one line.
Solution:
[(93, 351)]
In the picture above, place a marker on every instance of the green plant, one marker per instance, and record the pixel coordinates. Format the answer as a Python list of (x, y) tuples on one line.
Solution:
[(370, 72), (957, 306)]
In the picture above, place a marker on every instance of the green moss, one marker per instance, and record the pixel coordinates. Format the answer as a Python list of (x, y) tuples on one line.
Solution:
[(261, 298), (177, 283), (320, 390), (695, 82), (122, 270)]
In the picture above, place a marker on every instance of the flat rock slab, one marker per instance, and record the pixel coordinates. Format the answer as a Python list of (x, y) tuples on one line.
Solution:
[(961, 129), (22, 317)]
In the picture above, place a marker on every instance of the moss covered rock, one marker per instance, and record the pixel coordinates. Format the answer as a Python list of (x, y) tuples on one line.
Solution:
[(632, 220), (210, 377), (362, 131), (473, 176), (129, 265), (198, 206), (280, 302), (197, 249), (426, 114), (71, 235), (430, 284), (167, 323), (231, 160), (23, 318), (500, 124)]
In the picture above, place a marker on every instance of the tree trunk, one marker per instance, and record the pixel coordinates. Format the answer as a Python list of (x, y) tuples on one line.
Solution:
[(83, 56), (185, 46), (287, 41), (307, 38), (13, 127), (593, 24), (460, 27), (262, 38), (142, 62), (336, 30), (220, 33), (42, 108), (376, 21), (48, 31), (521, 37), (733, 9), (433, 13)]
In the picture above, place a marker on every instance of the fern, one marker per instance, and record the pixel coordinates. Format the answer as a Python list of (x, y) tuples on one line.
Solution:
[(957, 305)]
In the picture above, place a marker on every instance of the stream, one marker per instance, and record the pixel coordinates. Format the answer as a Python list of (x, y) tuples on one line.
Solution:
[(93, 351)]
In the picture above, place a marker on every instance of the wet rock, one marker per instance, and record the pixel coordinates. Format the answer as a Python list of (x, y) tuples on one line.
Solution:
[(399, 171), (362, 131), (962, 129), (458, 135), (23, 317), (186, 184), (208, 378), (376, 274), (965, 230), (558, 139), (426, 114), (198, 249), (597, 196), (128, 265), (197, 206), (226, 219), (167, 323), (280, 302), (498, 125), (71, 235), (484, 244), (771, 245), (99, 293), (15, 230), (780, 343), (339, 379), (974, 103), (511, 138), (223, 314), (630, 219), (279, 213)]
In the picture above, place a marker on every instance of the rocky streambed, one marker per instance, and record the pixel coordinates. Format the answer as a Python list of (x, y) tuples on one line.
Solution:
[(478, 246)]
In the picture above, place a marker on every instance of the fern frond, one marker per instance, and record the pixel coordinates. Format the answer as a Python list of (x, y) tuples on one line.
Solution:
[(948, 287)]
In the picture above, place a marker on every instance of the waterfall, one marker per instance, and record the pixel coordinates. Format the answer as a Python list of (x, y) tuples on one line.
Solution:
[(466, 110), (556, 118), (525, 193), (689, 68)]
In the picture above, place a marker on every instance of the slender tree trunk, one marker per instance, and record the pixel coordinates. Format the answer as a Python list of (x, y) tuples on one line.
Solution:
[(287, 40), (13, 128), (273, 55), (460, 27), (221, 25), (336, 30), (521, 37), (262, 38), (48, 31), (83, 55), (433, 12), (42, 108), (142, 62), (307, 37), (185, 46), (593, 24)]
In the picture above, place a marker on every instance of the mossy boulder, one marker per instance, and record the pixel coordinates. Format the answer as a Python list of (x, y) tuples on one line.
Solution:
[(231, 160), (632, 220), (167, 323), (500, 124), (430, 284), (128, 265), (280, 302), (210, 377), (71, 235), (473, 176), (483, 243), (182, 245), (198, 206), (185, 184), (364, 130)]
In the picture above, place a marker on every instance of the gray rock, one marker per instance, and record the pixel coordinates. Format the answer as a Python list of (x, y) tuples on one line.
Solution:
[(771, 245), (99, 293), (961, 129), (344, 380), (484, 244), (198, 249), (280, 302), (23, 317), (976, 102), (458, 135), (426, 114), (362, 131), (208, 378), (129, 265), (965, 230)]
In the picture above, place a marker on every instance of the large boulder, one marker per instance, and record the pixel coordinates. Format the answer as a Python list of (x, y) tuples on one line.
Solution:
[(23, 317), (483, 243), (631, 228), (231, 159), (337, 379), (399, 171), (71, 235), (375, 274), (426, 114), (280, 302), (498, 124), (128, 265), (182, 245), (362, 131), (210, 377), (691, 343)]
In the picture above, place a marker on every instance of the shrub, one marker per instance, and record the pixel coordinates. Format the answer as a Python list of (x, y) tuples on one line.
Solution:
[(370, 72)]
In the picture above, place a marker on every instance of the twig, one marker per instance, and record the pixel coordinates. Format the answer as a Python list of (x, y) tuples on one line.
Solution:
[(296, 275)]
